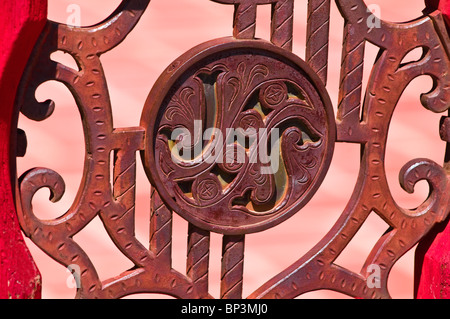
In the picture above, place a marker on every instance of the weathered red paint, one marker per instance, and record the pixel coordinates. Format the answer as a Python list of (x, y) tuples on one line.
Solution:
[(21, 22), (238, 82), (432, 269)]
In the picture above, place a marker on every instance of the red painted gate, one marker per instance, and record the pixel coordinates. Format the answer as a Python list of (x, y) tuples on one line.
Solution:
[(244, 90)]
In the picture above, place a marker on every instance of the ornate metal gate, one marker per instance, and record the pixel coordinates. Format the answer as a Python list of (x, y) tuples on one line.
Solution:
[(255, 87)]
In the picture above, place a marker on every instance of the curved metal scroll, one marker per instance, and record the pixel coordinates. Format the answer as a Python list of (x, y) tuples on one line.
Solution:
[(240, 83)]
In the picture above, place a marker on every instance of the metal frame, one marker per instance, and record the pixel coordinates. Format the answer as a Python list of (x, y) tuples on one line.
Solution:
[(241, 81)]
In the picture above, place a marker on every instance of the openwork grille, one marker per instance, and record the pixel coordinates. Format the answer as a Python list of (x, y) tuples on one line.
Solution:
[(239, 82)]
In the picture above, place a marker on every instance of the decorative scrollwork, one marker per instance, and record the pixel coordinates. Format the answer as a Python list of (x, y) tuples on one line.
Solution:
[(225, 181), (96, 197), (213, 127), (389, 78)]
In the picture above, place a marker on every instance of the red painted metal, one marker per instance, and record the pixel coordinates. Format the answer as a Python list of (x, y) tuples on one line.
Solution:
[(21, 23), (239, 82), (249, 203)]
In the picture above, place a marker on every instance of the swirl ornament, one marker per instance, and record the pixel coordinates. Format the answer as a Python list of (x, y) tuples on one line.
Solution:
[(252, 95), (236, 136)]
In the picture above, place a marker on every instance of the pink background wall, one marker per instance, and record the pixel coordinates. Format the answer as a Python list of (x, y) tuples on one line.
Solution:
[(168, 29)]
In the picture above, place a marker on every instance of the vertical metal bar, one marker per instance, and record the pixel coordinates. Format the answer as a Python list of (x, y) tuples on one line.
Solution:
[(283, 24), (124, 182), (197, 267), (350, 86), (318, 28), (244, 26), (124, 192), (232, 267), (160, 230)]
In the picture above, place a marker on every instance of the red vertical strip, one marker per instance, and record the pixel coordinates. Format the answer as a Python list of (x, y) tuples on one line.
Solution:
[(21, 22), (432, 269)]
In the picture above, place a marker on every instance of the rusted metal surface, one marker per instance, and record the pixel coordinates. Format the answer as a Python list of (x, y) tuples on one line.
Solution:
[(318, 28), (257, 86), (237, 83)]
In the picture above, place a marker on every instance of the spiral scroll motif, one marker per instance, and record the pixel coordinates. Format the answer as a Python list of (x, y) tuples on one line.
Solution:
[(236, 136)]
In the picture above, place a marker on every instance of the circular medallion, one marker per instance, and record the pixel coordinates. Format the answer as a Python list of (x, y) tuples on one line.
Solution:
[(239, 135)]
